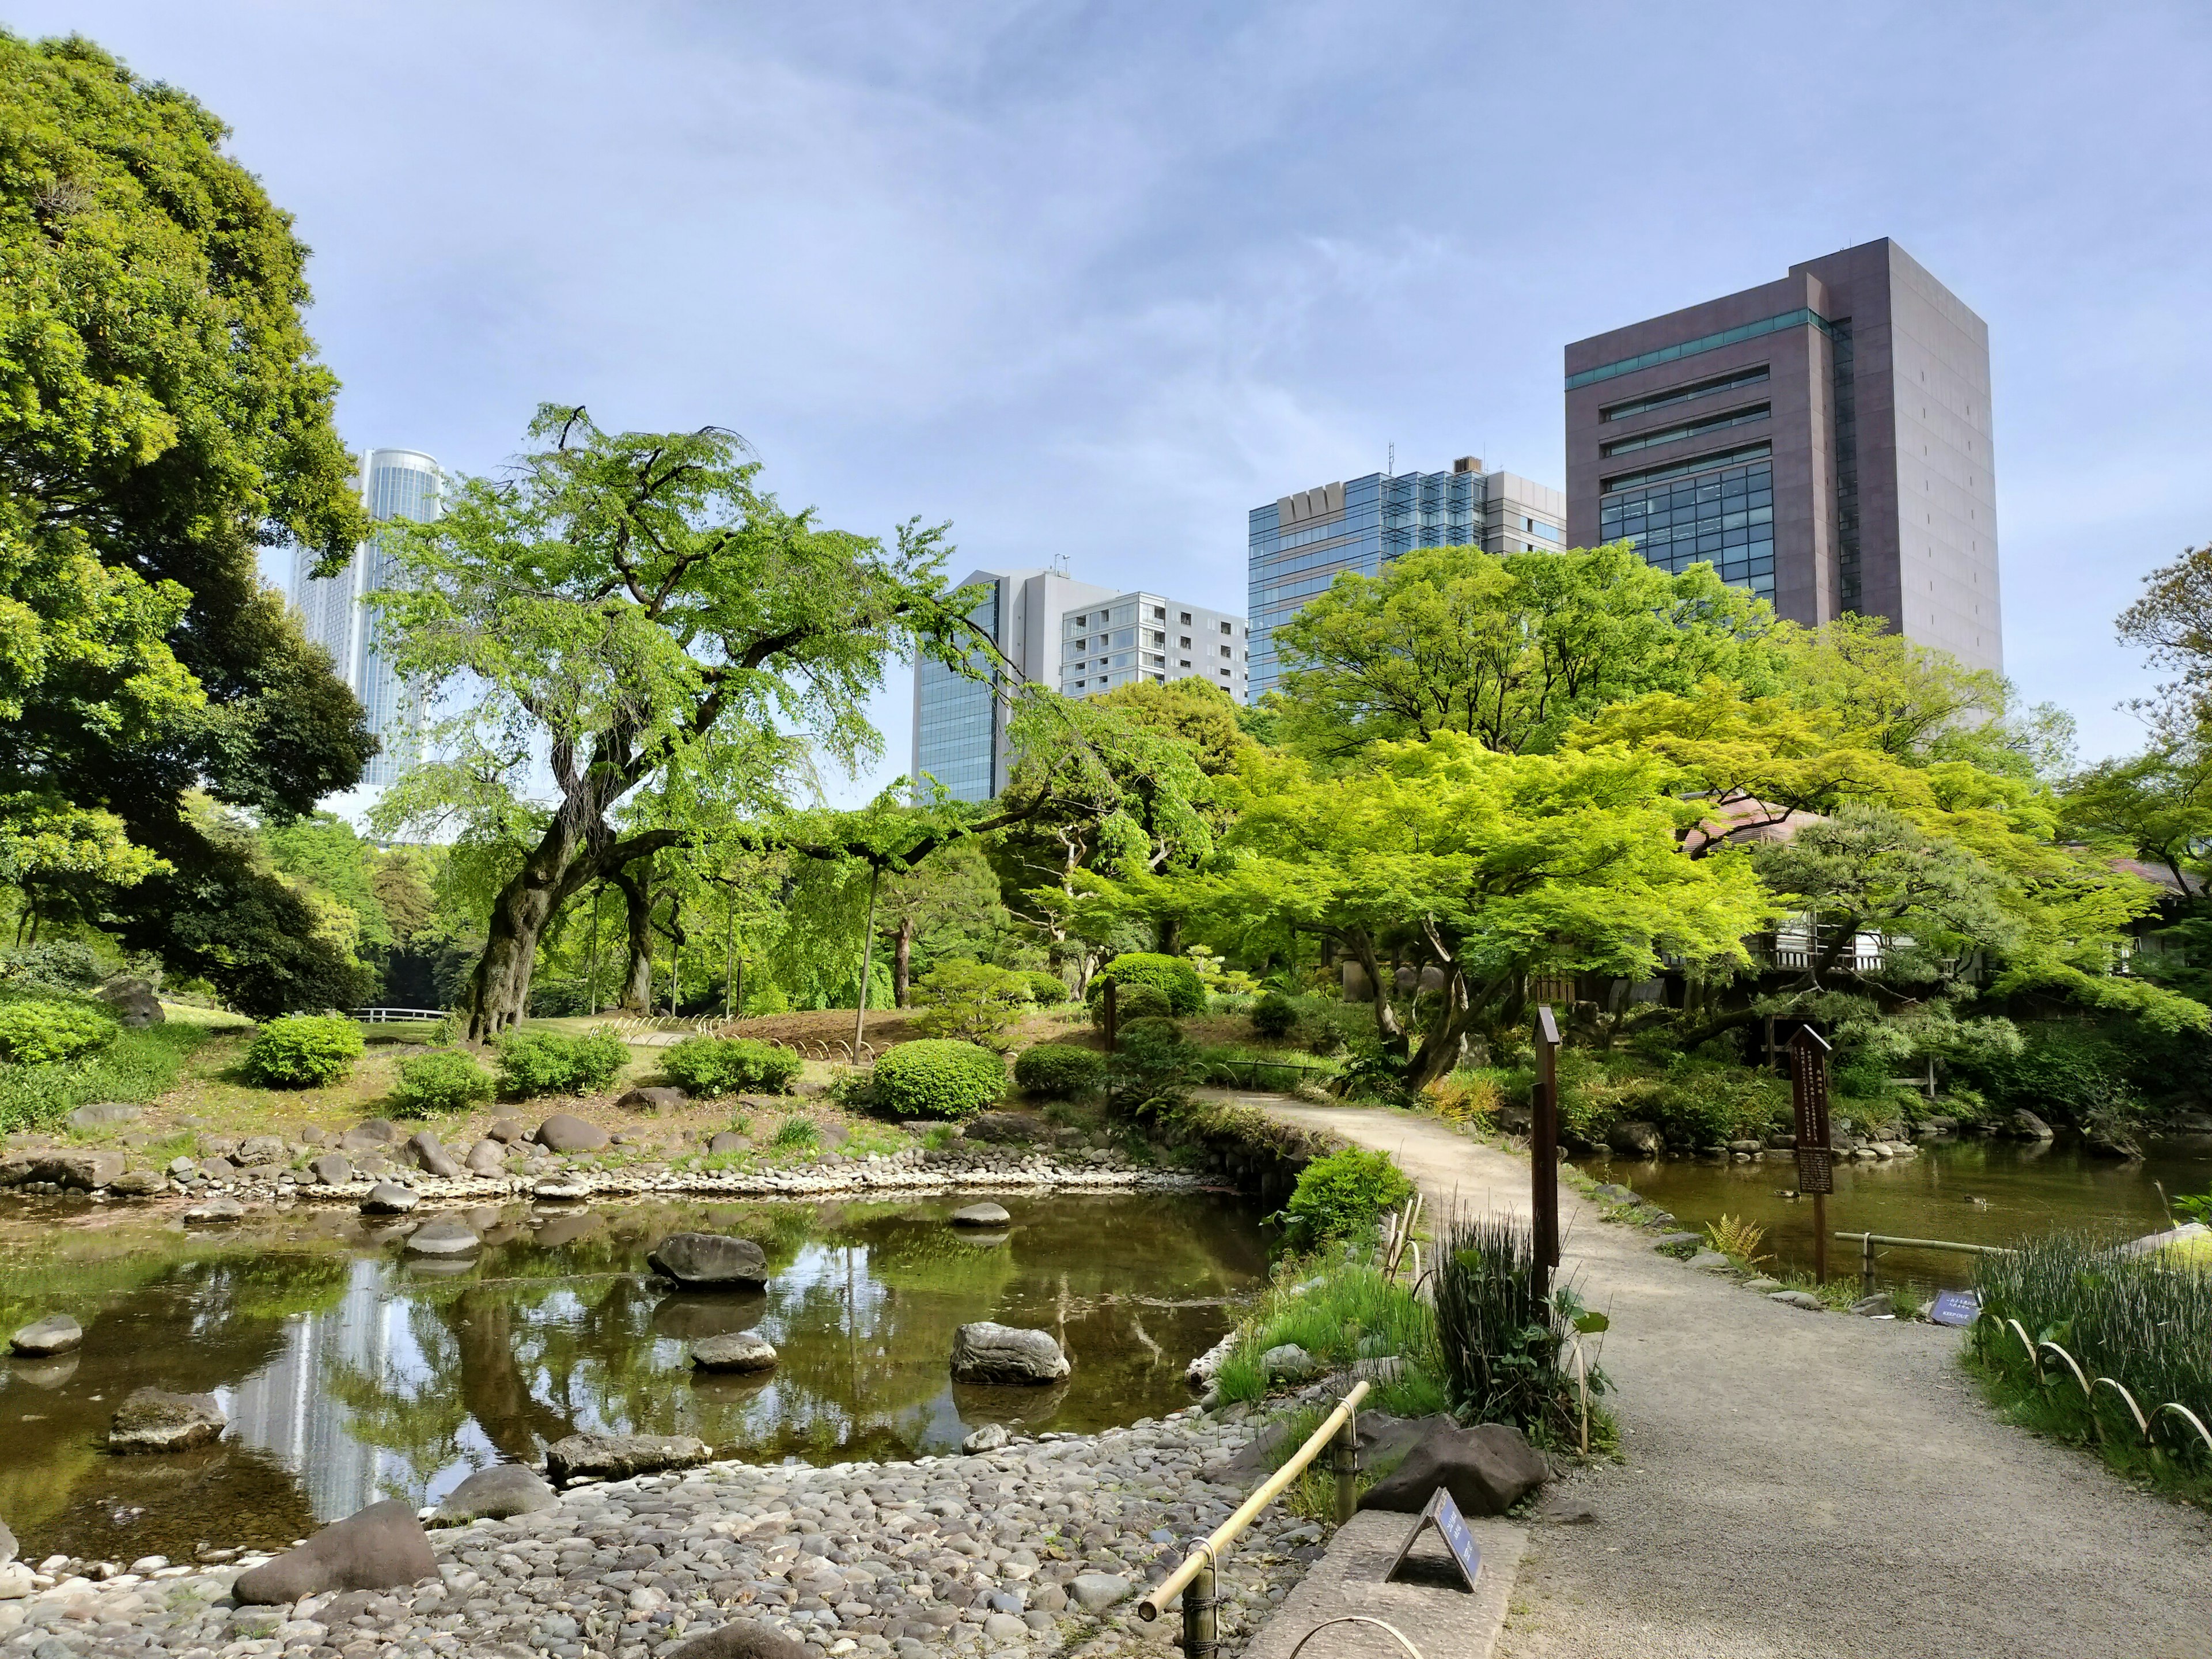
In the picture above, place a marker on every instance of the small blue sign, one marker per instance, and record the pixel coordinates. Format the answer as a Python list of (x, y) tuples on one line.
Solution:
[(1444, 1515), (1959, 1308)]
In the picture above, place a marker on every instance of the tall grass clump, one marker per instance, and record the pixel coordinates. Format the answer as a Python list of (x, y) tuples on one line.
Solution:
[(1508, 1353), (2144, 1322), (1349, 1313)]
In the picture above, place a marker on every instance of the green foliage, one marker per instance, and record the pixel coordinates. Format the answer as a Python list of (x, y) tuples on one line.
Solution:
[(304, 1051), (445, 1080), (1345, 1313), (1344, 1193), (1132, 1002), (2061, 1070), (795, 1133), (61, 965), (1059, 1071), (1172, 976), (729, 1065), (1737, 1238), (1047, 990), (1502, 1346), (138, 1067), (1149, 1073), (1275, 1015), (1702, 1103), (532, 1063), (39, 1032), (971, 1001), (937, 1076)]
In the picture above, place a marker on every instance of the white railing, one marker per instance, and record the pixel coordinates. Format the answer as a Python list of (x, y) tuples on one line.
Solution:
[(387, 1016)]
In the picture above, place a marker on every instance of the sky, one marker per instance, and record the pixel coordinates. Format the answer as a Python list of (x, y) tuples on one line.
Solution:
[(1089, 281)]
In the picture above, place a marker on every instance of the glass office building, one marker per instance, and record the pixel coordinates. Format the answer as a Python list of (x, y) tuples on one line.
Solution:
[(957, 718), (334, 612)]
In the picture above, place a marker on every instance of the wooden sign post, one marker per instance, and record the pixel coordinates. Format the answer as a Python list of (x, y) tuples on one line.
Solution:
[(1816, 1173), (1544, 1152)]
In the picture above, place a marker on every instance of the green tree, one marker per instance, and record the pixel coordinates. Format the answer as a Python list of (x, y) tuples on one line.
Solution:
[(2173, 621), (946, 905), (2156, 805)]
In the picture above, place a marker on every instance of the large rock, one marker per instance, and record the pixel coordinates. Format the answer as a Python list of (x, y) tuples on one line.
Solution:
[(1005, 1128), (1095, 1592), (706, 1261), (729, 1140), (218, 1208), (84, 1171), (155, 1420), (989, 1438), (332, 1169), (1635, 1138), (564, 1131), (139, 1183), (256, 1150), (1487, 1470), (618, 1456), (987, 1352), (2028, 1126), (102, 1115), (374, 1134), (389, 1198), (740, 1351), (382, 1547), (132, 1002), (55, 1334), (7, 1543), (507, 1131), (658, 1098), (446, 1236), (486, 1158), (495, 1493), (741, 1638), (985, 1214), (1290, 1364), (424, 1152)]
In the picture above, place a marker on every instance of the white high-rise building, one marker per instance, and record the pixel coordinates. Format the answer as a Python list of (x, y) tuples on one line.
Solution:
[(395, 483)]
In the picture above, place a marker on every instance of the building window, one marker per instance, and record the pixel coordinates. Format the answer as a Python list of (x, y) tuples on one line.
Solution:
[(1669, 435), (1650, 474), (1226, 629), (1185, 663), (1723, 517), (1159, 639), (1186, 619), (1160, 612), (1225, 651), (1683, 394), (1804, 317)]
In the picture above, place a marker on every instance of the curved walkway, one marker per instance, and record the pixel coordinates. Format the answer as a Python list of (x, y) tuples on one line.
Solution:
[(1801, 1484)]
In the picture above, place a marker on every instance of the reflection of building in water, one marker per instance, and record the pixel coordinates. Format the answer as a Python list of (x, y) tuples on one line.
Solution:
[(285, 1409)]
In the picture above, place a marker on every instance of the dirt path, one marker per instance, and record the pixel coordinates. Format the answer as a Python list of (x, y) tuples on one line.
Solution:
[(1802, 1484)]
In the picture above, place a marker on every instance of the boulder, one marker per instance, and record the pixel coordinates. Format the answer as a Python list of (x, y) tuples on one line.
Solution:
[(657, 1098), (982, 1215), (256, 1150), (332, 1169), (390, 1197), (728, 1141), (1711, 1260), (7, 1543), (102, 1115), (740, 1351), (217, 1168), (741, 1638), (139, 1183), (1095, 1592), (564, 1131), (218, 1208), (55, 1334), (1006, 1128), (373, 1135), (486, 1158), (1635, 1138), (989, 1438), (709, 1262), (2028, 1126), (1289, 1363), (132, 1002), (445, 1236), (155, 1420), (561, 1191), (1804, 1299), (987, 1352), (618, 1456), (83, 1171), (507, 1131), (496, 1493), (382, 1547), (424, 1152), (1487, 1470)]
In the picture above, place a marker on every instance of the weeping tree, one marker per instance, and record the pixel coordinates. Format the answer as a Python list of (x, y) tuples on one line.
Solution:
[(618, 611)]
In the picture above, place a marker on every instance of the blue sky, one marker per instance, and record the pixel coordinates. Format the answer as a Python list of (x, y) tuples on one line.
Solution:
[(1092, 281)]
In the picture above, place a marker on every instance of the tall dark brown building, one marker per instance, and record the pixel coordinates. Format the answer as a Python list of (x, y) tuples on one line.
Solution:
[(1823, 440)]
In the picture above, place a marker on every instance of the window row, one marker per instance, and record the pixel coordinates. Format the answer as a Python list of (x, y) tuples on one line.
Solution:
[(1683, 394), (1696, 428)]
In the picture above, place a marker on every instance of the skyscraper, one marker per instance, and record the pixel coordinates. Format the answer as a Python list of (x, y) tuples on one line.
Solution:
[(1299, 544), (1076, 637), (395, 483), (1824, 440)]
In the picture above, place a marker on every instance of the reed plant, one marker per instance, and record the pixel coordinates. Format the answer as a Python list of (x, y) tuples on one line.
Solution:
[(1507, 1350)]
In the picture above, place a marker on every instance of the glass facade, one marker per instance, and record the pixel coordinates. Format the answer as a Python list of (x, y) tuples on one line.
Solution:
[(1684, 394), (956, 720), (1803, 317), (1722, 516), (1696, 428)]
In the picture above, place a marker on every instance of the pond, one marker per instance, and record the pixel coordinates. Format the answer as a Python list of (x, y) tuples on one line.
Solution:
[(2024, 1188), (349, 1374)]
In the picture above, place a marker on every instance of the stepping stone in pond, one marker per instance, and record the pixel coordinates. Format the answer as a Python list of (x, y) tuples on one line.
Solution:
[(741, 1351), (445, 1236), (55, 1334), (982, 1215)]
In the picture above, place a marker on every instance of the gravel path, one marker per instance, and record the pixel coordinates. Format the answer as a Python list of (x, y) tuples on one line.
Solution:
[(1806, 1484)]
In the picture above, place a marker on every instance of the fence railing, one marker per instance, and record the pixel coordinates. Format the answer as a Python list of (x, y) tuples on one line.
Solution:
[(389, 1016), (1867, 1241), (1248, 1073)]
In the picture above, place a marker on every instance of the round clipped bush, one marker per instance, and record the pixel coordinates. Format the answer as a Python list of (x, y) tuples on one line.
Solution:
[(1344, 1191), (38, 1033), (1046, 990), (1275, 1015), (303, 1051), (1173, 978), (1133, 1002), (553, 1063), (1059, 1071), (939, 1077), (445, 1080), (732, 1066)]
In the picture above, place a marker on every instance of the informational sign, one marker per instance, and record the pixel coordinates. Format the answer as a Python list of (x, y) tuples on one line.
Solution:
[(1808, 1093), (1959, 1308), (1451, 1526)]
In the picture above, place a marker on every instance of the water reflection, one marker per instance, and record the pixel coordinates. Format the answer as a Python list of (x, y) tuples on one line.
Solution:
[(351, 1373)]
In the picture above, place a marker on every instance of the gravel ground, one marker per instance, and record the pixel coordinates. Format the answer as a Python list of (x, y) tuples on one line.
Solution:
[(1036, 1548), (1810, 1484)]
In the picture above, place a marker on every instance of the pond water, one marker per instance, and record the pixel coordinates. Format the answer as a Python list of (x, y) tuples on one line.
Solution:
[(350, 1374), (2026, 1189)]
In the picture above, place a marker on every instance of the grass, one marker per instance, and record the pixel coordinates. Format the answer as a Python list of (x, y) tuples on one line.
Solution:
[(1348, 1312), (794, 1133), (135, 1068)]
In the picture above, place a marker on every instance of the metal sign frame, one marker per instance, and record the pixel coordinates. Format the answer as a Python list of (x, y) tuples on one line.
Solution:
[(1442, 1513)]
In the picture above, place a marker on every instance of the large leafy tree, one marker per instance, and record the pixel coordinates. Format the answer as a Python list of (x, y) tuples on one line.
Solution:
[(2173, 621), (162, 417), (624, 607)]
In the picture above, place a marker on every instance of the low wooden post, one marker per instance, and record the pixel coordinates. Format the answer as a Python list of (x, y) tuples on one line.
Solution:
[(1109, 1016), (1866, 1263), (1816, 1171), (1344, 1458), (1199, 1627), (1544, 1152)]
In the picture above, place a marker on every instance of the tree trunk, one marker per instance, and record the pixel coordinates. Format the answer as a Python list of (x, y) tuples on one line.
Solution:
[(637, 914), (867, 953), (499, 989), (1446, 1041), (903, 963), (1363, 949)]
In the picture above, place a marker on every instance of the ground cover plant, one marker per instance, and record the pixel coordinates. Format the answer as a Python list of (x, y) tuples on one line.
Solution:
[(42, 1030), (937, 1076), (135, 1068), (1341, 1311), (445, 1080), (708, 1066), (532, 1063), (304, 1051), (1509, 1354)]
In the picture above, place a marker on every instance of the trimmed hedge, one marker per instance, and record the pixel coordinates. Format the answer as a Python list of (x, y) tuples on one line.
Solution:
[(1133, 1002), (36, 1032), (939, 1077), (1046, 990), (1173, 978), (1343, 1192), (730, 1065), (1275, 1015), (445, 1080), (1059, 1071), (304, 1051), (551, 1063)]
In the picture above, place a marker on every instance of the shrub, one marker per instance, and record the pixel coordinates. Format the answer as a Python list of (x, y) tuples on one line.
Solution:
[(1172, 976), (139, 1066), (1132, 1002), (1700, 1104), (40, 1033), (1503, 1346), (1149, 1071), (939, 1077), (1344, 1193), (305, 1051), (2062, 1070), (61, 964), (1469, 1095), (553, 1063), (1275, 1015), (1059, 1071), (972, 1001), (1046, 990), (446, 1080), (729, 1065)]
